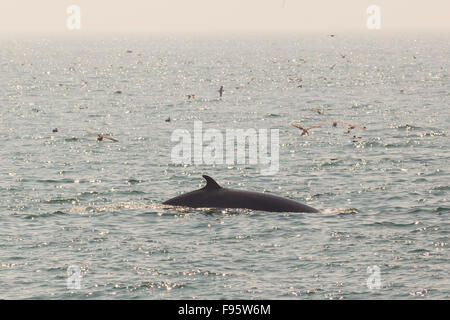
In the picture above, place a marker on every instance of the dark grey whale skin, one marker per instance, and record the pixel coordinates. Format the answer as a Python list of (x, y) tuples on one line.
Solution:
[(214, 196)]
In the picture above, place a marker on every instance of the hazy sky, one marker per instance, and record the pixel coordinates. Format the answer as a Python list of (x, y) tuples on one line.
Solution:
[(18, 16)]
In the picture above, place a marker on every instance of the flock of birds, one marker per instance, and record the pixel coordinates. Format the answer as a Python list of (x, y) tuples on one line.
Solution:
[(101, 136), (333, 124), (304, 131)]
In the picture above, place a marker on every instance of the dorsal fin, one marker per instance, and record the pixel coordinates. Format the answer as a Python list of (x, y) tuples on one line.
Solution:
[(210, 183)]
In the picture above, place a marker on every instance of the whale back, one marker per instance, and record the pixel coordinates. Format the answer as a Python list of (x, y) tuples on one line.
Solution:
[(214, 196)]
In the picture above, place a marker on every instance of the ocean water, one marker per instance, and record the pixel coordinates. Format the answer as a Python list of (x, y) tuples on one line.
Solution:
[(69, 202)]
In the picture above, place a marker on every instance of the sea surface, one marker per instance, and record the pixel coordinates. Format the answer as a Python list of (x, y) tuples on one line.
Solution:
[(82, 219)]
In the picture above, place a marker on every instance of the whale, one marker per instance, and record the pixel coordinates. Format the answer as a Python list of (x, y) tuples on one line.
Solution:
[(212, 195)]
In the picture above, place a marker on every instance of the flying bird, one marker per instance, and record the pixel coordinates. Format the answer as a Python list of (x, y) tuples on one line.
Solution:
[(304, 130), (101, 136), (351, 127), (318, 111)]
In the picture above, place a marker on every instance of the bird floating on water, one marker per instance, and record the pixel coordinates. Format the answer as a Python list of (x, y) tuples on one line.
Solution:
[(334, 123), (350, 126)]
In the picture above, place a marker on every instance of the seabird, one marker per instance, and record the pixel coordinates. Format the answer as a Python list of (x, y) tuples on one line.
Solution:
[(334, 122), (304, 131), (351, 127), (101, 136), (318, 111)]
